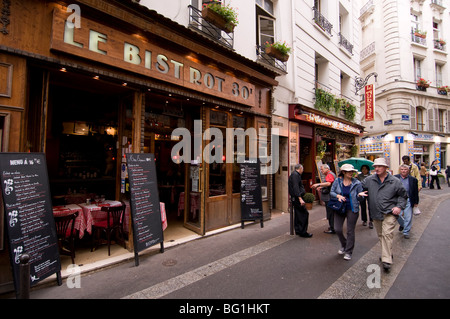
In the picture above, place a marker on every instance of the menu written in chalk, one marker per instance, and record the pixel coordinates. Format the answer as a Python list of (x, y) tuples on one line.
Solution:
[(29, 214), (251, 199), (145, 209)]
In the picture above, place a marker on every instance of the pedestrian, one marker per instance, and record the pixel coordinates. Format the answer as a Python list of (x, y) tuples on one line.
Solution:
[(423, 174), (434, 170), (297, 191), (414, 169), (411, 185), (324, 189), (346, 189), (447, 173), (365, 172), (387, 198)]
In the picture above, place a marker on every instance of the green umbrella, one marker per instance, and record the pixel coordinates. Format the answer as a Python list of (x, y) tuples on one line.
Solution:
[(357, 162)]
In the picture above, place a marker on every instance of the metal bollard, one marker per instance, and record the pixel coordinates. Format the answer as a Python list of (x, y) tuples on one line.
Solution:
[(24, 277)]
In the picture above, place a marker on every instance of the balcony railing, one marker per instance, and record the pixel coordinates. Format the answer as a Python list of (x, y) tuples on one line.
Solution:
[(322, 22), (345, 43), (438, 45), (418, 39), (267, 59), (209, 30)]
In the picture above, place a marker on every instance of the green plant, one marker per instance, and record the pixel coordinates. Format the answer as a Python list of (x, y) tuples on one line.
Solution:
[(280, 46), (226, 11), (338, 105), (349, 111), (420, 33), (309, 198), (354, 150), (321, 149), (324, 100)]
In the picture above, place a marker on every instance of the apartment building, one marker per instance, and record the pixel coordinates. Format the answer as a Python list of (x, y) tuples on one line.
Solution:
[(403, 43)]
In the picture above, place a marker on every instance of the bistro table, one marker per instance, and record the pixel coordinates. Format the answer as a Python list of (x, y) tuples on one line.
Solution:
[(93, 212), (65, 210)]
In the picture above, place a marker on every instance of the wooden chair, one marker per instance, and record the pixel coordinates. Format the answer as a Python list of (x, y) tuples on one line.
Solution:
[(112, 223), (65, 230)]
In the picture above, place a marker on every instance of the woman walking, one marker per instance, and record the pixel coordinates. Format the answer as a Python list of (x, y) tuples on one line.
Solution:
[(346, 189)]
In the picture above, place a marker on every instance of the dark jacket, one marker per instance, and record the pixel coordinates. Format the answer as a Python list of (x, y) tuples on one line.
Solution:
[(384, 196), (295, 184), (413, 192)]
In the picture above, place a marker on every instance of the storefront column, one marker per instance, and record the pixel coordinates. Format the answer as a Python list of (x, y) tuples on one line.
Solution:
[(138, 122)]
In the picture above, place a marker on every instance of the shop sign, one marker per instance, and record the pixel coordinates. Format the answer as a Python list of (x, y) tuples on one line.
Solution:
[(369, 102), (135, 53), (317, 119)]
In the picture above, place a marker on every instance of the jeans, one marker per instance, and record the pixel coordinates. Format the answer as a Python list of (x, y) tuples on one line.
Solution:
[(405, 218)]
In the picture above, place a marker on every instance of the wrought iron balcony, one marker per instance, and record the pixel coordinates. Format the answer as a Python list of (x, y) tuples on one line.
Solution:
[(196, 22), (267, 59), (322, 22), (418, 39), (345, 43), (439, 45)]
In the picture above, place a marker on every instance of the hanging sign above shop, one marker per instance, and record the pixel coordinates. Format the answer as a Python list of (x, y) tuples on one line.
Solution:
[(133, 52), (321, 120), (369, 102)]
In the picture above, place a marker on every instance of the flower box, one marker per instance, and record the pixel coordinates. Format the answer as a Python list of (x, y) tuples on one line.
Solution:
[(277, 54), (217, 20)]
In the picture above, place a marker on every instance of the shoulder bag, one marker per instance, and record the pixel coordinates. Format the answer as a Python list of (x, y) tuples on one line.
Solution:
[(336, 205)]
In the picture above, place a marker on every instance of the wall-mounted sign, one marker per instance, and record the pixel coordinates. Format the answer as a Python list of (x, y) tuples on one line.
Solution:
[(136, 53), (317, 119), (369, 102)]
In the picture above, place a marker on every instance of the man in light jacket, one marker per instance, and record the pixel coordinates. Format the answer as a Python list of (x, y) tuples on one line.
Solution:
[(387, 198)]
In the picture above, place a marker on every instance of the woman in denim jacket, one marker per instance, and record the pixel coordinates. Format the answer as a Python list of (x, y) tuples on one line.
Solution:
[(346, 189)]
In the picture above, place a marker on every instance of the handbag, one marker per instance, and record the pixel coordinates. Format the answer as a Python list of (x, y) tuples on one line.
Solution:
[(336, 205)]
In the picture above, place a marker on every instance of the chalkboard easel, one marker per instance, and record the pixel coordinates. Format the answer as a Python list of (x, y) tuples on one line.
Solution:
[(251, 196), (144, 202), (31, 230)]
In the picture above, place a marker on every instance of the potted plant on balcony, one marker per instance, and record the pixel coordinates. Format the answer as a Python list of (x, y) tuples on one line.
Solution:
[(278, 50), (309, 199), (420, 33), (222, 16), (441, 41), (443, 90), (422, 84)]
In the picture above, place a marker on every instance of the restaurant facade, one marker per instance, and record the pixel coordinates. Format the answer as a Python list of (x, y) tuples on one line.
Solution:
[(86, 82), (317, 138)]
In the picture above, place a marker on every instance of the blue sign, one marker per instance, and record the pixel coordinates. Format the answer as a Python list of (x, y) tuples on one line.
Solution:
[(388, 122), (399, 140), (405, 117)]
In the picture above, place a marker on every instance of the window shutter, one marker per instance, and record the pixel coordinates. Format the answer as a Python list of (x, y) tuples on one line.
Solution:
[(436, 120), (412, 117), (430, 119)]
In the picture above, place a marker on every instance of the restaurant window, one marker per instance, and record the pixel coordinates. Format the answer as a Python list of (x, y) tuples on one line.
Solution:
[(239, 151), (218, 167)]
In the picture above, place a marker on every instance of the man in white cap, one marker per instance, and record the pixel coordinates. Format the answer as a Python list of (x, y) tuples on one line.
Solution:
[(387, 198)]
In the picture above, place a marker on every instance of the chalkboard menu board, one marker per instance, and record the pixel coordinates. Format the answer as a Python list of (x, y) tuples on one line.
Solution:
[(145, 209), (29, 214), (251, 199)]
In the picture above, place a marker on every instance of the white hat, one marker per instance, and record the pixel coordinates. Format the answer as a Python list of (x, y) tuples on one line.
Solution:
[(348, 168), (380, 162)]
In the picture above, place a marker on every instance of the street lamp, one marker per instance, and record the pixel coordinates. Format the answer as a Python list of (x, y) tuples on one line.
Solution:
[(360, 82)]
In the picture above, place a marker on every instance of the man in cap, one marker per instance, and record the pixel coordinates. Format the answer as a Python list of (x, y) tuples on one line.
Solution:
[(387, 198)]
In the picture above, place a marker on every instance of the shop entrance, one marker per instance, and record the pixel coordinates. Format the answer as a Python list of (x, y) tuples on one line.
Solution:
[(179, 183)]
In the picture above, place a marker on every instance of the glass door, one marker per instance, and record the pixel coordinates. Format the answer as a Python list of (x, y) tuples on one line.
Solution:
[(194, 208)]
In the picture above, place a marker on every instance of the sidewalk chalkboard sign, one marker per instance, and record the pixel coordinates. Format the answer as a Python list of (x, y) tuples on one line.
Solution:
[(29, 215), (145, 209), (251, 199)]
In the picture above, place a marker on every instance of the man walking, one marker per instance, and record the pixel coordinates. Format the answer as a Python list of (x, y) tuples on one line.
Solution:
[(411, 185), (413, 169), (387, 198), (297, 191)]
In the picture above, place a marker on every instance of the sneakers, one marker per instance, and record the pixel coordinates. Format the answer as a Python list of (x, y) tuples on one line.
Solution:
[(341, 251), (347, 257)]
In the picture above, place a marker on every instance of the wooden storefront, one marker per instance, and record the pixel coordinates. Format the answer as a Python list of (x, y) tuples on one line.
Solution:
[(122, 81)]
